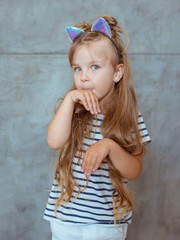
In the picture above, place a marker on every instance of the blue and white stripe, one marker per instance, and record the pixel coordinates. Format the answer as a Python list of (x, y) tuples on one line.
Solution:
[(143, 130), (94, 204)]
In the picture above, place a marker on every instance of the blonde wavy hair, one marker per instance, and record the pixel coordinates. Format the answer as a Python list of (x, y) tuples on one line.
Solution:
[(120, 124)]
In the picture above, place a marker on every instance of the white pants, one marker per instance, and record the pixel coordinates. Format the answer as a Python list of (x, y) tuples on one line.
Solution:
[(68, 231)]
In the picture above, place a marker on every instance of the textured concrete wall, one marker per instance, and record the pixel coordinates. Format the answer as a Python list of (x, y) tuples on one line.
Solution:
[(34, 72)]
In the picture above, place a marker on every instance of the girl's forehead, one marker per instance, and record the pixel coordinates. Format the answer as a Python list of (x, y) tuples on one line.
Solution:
[(97, 50)]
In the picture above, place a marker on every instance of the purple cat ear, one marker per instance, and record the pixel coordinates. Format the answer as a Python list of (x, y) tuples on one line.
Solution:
[(101, 26), (73, 32)]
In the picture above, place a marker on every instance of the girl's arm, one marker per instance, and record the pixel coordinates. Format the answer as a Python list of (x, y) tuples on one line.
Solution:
[(129, 166), (59, 129)]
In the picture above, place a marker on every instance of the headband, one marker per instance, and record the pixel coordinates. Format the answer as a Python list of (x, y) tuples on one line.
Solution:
[(100, 26)]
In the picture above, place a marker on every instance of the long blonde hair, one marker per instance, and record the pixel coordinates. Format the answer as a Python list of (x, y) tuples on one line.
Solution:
[(120, 124)]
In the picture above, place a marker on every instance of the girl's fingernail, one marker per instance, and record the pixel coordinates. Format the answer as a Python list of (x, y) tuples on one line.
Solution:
[(82, 170)]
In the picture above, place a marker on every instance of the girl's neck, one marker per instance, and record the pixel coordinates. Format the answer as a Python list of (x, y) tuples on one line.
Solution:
[(103, 107), (106, 103)]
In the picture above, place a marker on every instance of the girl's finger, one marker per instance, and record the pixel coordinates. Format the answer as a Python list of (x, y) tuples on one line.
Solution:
[(83, 101), (86, 98), (87, 165), (92, 169), (83, 164), (94, 102), (89, 101), (89, 169), (96, 166), (97, 104)]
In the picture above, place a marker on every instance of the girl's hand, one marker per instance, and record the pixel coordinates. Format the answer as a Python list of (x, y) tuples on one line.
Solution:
[(87, 98), (94, 156)]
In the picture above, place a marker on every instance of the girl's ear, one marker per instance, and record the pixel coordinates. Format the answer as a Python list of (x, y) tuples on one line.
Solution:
[(118, 73)]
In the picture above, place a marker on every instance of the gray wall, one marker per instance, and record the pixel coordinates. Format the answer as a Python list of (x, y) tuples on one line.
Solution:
[(34, 72)]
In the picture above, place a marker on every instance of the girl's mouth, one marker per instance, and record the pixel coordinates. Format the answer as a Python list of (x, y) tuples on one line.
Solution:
[(89, 89)]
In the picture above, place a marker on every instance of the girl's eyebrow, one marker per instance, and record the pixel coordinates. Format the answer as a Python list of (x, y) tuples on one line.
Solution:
[(90, 63), (75, 64), (95, 62)]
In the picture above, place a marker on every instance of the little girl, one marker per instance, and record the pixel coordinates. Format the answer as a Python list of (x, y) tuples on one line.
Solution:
[(100, 135)]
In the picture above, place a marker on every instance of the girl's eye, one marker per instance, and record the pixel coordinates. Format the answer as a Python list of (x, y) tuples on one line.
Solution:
[(95, 67), (77, 69)]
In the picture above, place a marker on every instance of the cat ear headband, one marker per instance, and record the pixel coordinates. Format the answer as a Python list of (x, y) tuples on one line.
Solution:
[(100, 26)]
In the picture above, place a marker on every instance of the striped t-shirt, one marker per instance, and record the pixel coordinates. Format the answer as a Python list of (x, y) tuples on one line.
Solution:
[(94, 204)]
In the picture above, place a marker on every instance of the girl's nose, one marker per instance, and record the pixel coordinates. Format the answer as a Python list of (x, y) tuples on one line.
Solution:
[(84, 76)]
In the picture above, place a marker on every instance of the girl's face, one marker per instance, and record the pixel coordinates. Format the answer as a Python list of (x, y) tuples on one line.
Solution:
[(92, 67)]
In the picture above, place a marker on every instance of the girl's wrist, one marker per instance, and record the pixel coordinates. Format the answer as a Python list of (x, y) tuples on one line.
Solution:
[(109, 145), (112, 146), (68, 97)]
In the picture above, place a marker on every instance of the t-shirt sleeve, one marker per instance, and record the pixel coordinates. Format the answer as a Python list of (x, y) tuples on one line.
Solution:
[(143, 130)]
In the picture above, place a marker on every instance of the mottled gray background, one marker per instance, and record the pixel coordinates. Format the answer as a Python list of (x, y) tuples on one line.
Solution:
[(34, 72)]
